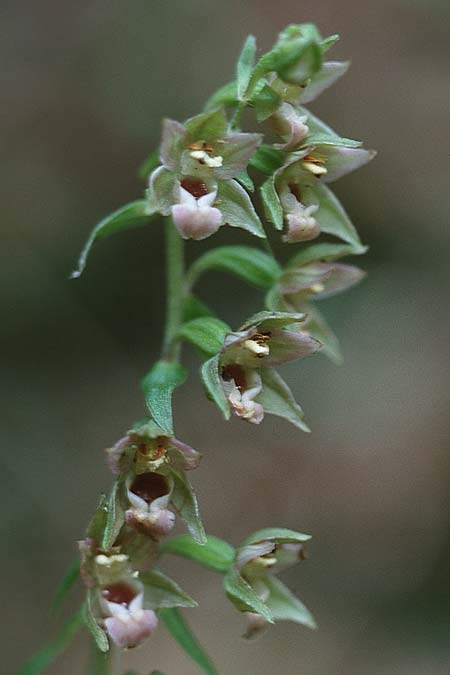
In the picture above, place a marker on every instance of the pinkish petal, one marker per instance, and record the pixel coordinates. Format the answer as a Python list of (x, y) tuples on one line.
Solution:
[(172, 142), (190, 457), (131, 630), (288, 346)]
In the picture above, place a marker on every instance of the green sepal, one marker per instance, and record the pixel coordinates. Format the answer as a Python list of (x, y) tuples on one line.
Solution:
[(277, 399), (216, 554), (329, 42), (115, 517), (244, 179), (207, 126), (250, 264), (265, 101), (45, 657), (158, 386), (90, 621), (267, 159), (331, 214), (237, 209), (181, 632), (325, 251), (226, 95), (280, 535), (96, 525), (185, 502), (269, 321), (315, 125), (130, 215), (161, 591), (211, 380), (243, 597), (68, 581), (271, 203), (149, 164), (206, 333), (245, 66), (321, 138), (284, 605), (319, 328)]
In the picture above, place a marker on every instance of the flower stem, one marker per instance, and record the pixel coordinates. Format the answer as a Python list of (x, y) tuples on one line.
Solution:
[(174, 290)]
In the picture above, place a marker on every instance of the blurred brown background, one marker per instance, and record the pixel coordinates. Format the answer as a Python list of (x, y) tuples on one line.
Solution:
[(85, 86)]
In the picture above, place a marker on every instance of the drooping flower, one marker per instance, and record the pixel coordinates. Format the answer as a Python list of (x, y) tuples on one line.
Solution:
[(242, 372), (153, 466), (195, 183), (266, 599), (316, 156)]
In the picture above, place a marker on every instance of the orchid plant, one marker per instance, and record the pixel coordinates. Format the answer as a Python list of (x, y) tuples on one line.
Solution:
[(205, 176)]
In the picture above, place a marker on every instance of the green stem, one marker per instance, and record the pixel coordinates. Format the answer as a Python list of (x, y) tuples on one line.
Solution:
[(174, 290)]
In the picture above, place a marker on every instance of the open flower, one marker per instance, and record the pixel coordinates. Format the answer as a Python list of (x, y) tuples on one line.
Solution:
[(253, 587), (125, 620), (153, 467), (195, 182), (241, 378), (300, 197)]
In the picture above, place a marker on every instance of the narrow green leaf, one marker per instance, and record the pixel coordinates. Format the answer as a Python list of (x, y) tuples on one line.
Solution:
[(324, 251), (237, 209), (97, 633), (44, 658), (161, 591), (211, 380), (149, 164), (206, 333), (271, 203), (70, 578), (158, 386), (285, 606), (277, 399), (267, 159), (245, 66), (180, 631), (331, 214), (194, 308), (226, 95), (243, 597), (116, 515), (216, 554), (135, 213), (281, 535), (250, 264), (185, 502)]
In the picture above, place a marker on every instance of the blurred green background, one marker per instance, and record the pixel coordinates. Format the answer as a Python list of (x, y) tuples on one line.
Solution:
[(85, 85)]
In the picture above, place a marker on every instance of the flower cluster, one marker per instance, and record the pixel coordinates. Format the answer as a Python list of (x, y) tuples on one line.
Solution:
[(205, 177)]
